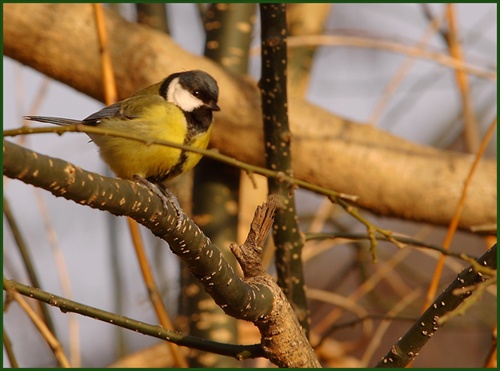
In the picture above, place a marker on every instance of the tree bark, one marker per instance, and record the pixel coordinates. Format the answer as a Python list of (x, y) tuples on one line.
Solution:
[(392, 176), (256, 298)]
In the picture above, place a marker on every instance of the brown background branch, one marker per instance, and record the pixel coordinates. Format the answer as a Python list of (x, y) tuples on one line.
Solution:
[(392, 176)]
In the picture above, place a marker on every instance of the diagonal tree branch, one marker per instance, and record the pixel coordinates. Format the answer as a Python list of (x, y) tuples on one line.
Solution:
[(257, 298), (408, 347), (127, 198)]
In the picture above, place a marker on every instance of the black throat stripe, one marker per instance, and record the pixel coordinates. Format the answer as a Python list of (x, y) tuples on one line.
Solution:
[(198, 121)]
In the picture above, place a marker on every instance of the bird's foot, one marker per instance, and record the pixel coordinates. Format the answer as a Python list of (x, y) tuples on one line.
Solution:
[(167, 197)]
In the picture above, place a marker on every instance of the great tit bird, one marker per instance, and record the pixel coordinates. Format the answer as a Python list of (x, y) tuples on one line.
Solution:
[(178, 109)]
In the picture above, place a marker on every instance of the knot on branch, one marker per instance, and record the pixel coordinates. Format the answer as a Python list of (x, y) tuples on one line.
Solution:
[(249, 254)]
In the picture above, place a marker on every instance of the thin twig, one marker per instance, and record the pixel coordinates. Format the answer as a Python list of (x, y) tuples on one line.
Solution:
[(159, 332), (471, 128), (391, 46), (8, 349), (109, 84), (26, 258), (47, 335), (205, 152), (401, 73), (431, 293), (64, 276), (363, 289), (400, 238), (491, 359)]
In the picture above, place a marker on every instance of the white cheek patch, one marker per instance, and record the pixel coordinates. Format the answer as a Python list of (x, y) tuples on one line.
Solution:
[(181, 97)]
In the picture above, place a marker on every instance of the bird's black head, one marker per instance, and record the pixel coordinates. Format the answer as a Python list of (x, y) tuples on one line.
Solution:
[(191, 90)]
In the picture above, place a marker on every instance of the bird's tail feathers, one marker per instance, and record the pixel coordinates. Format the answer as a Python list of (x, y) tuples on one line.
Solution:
[(53, 120)]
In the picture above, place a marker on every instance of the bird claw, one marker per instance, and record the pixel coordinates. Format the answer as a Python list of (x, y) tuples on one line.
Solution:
[(170, 198), (167, 197)]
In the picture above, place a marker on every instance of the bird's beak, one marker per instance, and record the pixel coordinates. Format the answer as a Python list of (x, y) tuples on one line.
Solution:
[(213, 106)]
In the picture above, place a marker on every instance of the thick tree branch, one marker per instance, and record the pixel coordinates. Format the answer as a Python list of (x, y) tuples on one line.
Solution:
[(257, 298), (392, 176), (126, 198)]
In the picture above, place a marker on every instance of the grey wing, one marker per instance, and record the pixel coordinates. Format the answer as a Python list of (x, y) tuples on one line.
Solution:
[(92, 120), (110, 111), (127, 109)]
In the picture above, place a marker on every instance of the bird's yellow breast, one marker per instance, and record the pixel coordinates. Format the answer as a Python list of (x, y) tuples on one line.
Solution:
[(127, 158)]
